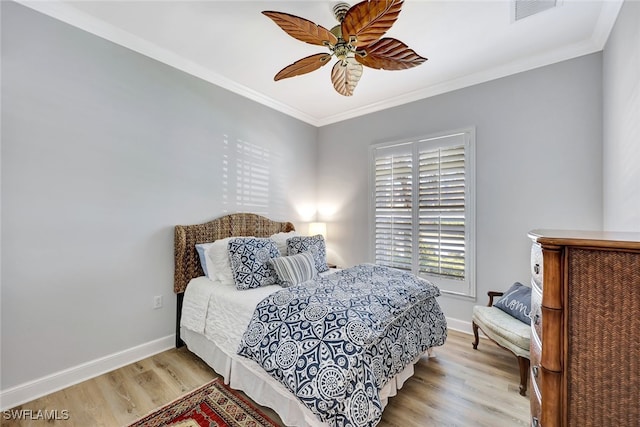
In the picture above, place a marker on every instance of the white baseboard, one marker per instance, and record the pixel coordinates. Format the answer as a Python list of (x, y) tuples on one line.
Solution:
[(57, 381), (459, 325), (31, 390), (463, 326)]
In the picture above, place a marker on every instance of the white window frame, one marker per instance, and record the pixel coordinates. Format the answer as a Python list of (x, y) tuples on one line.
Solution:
[(460, 287)]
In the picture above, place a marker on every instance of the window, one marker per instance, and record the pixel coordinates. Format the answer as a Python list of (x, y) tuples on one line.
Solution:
[(423, 208)]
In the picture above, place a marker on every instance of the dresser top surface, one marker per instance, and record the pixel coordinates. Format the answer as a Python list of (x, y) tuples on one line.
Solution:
[(598, 239)]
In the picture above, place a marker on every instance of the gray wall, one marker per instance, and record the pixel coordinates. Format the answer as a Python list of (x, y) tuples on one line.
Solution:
[(621, 70), (103, 152), (538, 153)]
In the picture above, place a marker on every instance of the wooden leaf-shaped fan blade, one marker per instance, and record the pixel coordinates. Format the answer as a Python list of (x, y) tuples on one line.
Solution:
[(302, 29), (367, 21), (346, 77), (390, 54), (303, 66)]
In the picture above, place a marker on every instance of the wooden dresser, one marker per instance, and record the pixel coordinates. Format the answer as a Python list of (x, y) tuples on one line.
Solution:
[(585, 329)]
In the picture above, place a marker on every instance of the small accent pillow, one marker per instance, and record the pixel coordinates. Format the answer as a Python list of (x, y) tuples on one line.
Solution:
[(517, 302), (281, 240), (250, 264), (294, 269), (314, 244)]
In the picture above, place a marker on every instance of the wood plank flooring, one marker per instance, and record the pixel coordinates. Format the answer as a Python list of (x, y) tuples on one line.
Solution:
[(459, 387)]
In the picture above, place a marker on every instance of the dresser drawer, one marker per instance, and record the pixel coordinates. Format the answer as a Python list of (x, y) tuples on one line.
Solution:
[(535, 375), (536, 309), (536, 264), (536, 407), (535, 357)]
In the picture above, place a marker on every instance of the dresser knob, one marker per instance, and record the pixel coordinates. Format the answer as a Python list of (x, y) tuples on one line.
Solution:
[(535, 370), (536, 319), (536, 268), (535, 422)]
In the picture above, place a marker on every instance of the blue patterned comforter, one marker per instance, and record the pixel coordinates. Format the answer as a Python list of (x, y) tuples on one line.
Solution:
[(335, 341)]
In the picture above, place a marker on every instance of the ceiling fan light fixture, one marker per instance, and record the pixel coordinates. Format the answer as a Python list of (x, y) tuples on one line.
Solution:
[(355, 42)]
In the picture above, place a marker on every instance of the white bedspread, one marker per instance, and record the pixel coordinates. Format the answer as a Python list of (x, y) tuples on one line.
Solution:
[(219, 311)]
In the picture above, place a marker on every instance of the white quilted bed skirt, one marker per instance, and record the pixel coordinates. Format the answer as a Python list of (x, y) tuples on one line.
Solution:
[(244, 374)]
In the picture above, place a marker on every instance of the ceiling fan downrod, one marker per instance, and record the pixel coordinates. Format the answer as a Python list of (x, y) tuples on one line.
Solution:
[(340, 10)]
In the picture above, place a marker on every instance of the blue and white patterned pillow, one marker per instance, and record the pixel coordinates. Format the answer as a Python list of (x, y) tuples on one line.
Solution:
[(250, 264), (314, 244), (281, 240), (294, 269)]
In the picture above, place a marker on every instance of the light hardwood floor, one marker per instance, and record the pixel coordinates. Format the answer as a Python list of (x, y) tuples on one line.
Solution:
[(458, 387)]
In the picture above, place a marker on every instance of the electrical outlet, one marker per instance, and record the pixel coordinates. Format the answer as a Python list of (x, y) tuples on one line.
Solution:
[(157, 301)]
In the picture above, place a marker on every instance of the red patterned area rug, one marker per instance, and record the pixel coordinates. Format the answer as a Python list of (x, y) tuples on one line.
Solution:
[(212, 405)]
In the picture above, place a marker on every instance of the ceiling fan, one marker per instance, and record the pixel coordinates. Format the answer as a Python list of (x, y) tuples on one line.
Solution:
[(355, 41)]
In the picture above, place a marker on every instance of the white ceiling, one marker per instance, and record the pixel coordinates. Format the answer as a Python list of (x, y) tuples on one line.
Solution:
[(231, 44)]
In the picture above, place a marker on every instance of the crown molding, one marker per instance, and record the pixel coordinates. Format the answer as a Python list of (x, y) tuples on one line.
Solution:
[(65, 13), (606, 21), (530, 63), (69, 15)]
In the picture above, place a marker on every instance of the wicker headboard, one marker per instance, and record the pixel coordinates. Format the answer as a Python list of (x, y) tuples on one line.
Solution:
[(187, 263)]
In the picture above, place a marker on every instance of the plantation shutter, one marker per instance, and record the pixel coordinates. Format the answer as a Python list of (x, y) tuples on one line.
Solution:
[(393, 202), (422, 208), (441, 208)]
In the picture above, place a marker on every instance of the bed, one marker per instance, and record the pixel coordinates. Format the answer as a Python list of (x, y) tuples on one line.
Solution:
[(217, 322)]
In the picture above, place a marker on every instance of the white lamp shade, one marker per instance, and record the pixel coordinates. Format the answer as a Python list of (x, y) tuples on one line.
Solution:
[(318, 228)]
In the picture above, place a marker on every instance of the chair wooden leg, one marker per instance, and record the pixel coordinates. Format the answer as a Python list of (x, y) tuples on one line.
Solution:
[(524, 374), (475, 335)]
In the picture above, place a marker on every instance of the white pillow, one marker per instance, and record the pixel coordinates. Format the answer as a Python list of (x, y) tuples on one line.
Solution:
[(216, 265), (219, 258), (281, 240)]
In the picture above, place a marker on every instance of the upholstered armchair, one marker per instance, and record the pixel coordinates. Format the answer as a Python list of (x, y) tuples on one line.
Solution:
[(506, 331)]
